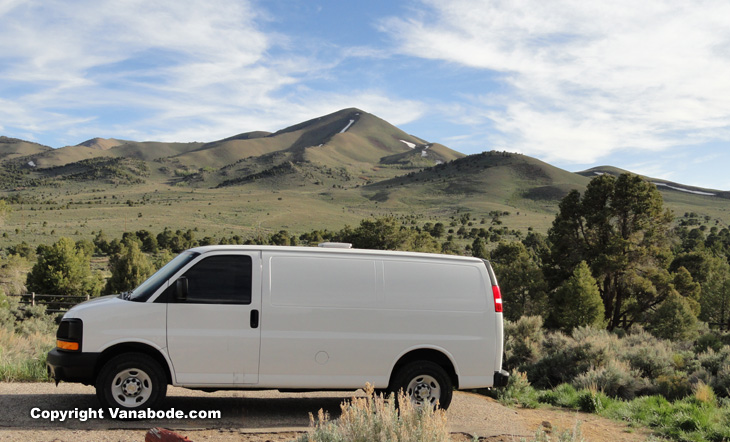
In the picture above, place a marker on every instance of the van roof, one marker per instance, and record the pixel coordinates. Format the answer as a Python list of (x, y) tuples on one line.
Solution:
[(331, 251)]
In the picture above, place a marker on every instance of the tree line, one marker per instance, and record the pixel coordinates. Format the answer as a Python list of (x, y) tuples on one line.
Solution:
[(613, 257)]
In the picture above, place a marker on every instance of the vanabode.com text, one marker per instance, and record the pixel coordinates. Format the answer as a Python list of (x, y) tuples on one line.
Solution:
[(119, 413)]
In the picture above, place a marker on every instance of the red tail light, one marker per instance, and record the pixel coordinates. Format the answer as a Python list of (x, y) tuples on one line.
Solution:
[(497, 298)]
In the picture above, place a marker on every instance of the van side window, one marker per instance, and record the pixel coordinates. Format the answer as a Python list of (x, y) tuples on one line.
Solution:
[(224, 279)]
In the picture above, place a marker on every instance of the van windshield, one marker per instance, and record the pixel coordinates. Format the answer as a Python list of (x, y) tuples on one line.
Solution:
[(150, 286)]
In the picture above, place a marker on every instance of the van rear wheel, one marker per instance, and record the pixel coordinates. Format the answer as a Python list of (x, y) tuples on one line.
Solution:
[(425, 383), (131, 381)]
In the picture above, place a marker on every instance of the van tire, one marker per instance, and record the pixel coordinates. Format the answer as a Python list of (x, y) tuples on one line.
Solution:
[(131, 381), (425, 383)]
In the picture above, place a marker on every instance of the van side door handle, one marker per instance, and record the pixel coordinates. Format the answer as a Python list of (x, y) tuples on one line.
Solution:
[(254, 319)]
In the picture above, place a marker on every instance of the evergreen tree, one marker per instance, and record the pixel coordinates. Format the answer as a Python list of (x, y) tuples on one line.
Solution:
[(387, 234), (86, 246), (715, 299), (687, 287), (282, 238), (521, 280), (438, 230), (479, 248), (620, 228), (63, 270), (161, 258), (673, 319), (577, 302), (129, 268), (149, 241), (102, 243), (420, 242)]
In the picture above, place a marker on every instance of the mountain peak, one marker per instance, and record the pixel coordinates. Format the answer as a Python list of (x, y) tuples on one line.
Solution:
[(101, 143)]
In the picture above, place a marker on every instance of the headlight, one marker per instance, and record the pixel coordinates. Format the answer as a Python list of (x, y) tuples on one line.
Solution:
[(69, 334)]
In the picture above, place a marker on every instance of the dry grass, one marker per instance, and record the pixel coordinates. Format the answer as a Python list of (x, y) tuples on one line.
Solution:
[(374, 418), (704, 393), (23, 357)]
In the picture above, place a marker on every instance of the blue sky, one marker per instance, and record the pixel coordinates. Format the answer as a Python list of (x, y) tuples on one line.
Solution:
[(642, 86)]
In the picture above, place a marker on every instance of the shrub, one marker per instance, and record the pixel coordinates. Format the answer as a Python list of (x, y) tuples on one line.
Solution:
[(559, 365), (569, 356), (721, 383), (590, 401), (713, 361), (650, 356), (674, 386), (708, 341), (616, 379), (26, 320), (518, 392), (372, 418), (523, 341), (598, 345)]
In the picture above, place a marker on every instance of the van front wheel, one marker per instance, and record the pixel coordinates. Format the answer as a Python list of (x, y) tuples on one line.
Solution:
[(131, 381), (425, 383)]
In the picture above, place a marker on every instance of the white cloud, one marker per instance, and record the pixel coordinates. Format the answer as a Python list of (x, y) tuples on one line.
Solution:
[(173, 57), (586, 79), (179, 70)]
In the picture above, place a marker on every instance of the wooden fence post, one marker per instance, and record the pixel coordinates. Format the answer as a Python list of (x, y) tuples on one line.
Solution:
[(32, 299)]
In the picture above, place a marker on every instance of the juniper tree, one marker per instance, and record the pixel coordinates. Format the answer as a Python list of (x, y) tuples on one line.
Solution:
[(521, 280), (577, 302), (673, 319), (620, 228), (129, 268), (63, 270)]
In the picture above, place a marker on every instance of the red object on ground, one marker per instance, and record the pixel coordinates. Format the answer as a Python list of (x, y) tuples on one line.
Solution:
[(163, 435)]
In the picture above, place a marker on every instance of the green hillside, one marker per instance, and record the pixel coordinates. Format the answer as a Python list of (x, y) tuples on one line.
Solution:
[(482, 183), (323, 173)]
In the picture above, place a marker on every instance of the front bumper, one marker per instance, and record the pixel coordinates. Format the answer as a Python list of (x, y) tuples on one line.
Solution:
[(72, 367), (501, 378)]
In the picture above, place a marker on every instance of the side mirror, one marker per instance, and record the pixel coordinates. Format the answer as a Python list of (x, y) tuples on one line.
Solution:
[(181, 289)]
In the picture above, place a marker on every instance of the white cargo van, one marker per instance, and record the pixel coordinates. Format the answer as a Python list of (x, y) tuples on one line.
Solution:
[(290, 318)]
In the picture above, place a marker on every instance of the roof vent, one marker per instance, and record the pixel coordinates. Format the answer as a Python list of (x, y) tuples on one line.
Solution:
[(335, 245)]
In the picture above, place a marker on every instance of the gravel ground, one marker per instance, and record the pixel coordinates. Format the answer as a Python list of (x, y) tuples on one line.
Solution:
[(260, 416)]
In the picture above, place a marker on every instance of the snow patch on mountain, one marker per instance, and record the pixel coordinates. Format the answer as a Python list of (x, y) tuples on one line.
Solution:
[(408, 143), (696, 192), (347, 127)]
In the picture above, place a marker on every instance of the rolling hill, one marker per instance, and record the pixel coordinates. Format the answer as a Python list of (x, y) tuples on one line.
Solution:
[(11, 148), (668, 187), (322, 173)]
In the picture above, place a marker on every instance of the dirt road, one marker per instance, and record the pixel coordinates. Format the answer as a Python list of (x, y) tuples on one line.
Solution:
[(26, 410)]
